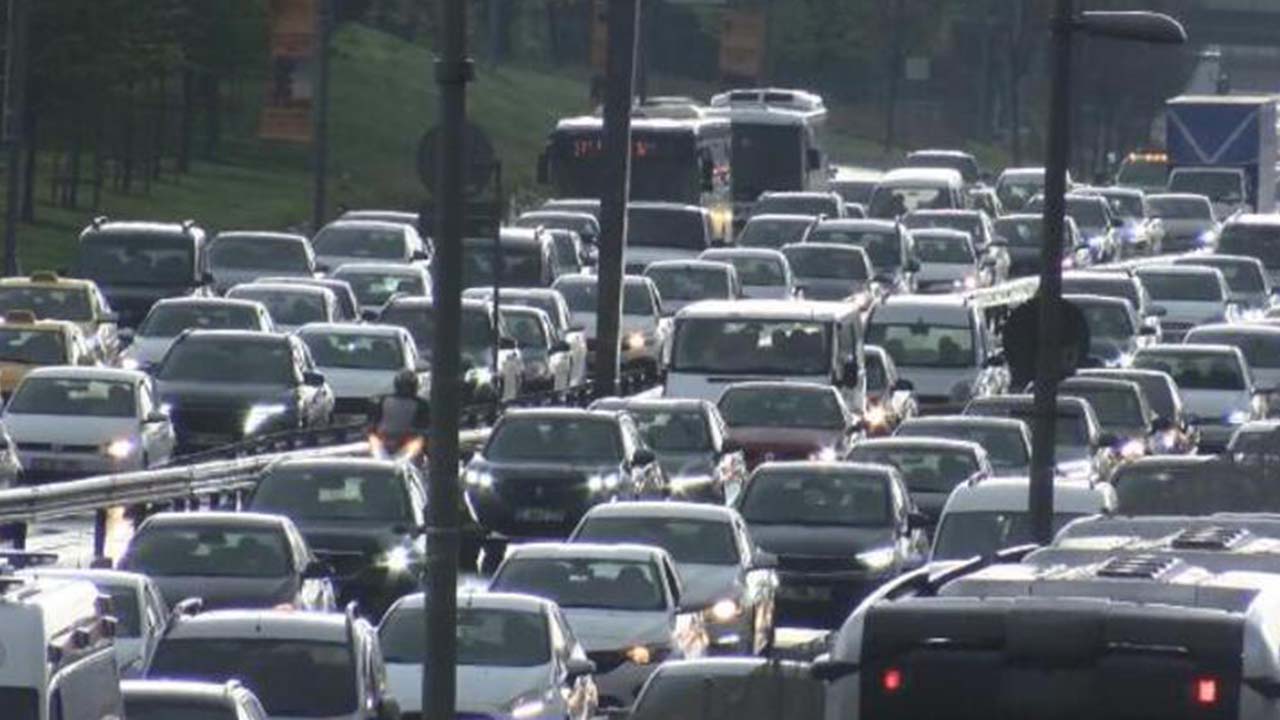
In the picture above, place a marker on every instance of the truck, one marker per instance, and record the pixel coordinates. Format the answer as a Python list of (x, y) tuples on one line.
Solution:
[(1223, 147)]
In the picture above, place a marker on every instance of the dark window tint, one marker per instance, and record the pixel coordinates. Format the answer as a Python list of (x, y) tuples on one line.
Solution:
[(585, 582), (334, 493), (209, 552), (782, 408), (258, 253), (932, 471), (361, 242), (32, 347), (166, 321), (666, 227), (550, 439), (785, 497), (66, 396), (49, 303), (704, 542), (268, 361), (972, 534), (486, 636), (138, 259)]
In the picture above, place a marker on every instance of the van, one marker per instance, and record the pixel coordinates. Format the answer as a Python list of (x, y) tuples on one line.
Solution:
[(137, 263), (909, 189)]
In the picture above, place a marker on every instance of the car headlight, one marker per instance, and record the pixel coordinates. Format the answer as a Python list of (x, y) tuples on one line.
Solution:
[(479, 479), (130, 363), (877, 418), (825, 454), (724, 611), (259, 415), (681, 484), (118, 449), (634, 340), (528, 706), (1133, 449), (601, 482), (396, 560), (1238, 417), (878, 559), (639, 655)]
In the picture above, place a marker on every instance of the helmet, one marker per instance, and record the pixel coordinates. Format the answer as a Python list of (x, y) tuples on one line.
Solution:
[(406, 383)]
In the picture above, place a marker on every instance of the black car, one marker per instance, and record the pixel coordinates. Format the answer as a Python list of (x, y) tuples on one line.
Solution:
[(888, 245), (542, 469), (1024, 237), (222, 386), (137, 263), (839, 531), (362, 516)]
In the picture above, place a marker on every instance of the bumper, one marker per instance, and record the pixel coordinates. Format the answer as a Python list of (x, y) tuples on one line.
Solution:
[(515, 519), (51, 465), (619, 686), (824, 595), (1214, 438)]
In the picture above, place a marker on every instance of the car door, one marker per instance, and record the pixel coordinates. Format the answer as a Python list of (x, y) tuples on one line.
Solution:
[(157, 435), (558, 355), (688, 633), (579, 693), (761, 584)]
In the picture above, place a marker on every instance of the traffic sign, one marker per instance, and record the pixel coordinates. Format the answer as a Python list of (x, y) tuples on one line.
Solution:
[(477, 158), (1022, 340)]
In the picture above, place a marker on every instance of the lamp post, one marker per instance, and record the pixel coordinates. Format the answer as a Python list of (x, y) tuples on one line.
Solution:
[(1130, 25)]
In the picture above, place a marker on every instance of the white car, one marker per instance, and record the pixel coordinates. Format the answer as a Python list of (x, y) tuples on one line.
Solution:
[(361, 241), (170, 317), (948, 262), (375, 284), (517, 658), (682, 283), (1216, 386), (360, 363), (764, 273), (546, 358), (83, 421), (1189, 296), (290, 306), (645, 333), (553, 304)]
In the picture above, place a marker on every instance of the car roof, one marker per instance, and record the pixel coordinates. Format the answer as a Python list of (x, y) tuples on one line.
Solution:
[(780, 386), (732, 252), (385, 268), (1010, 424), (206, 302), (483, 599), (1028, 171), (1237, 329), (1087, 299), (1021, 400), (1097, 383), (1010, 494), (690, 264), (924, 301), (710, 667), (669, 206), (1171, 269), (1257, 219), (825, 467), (558, 413), (262, 235), (932, 175), (664, 509), (858, 225), (429, 303), (919, 443), (356, 463), (649, 403), (946, 212), (941, 233), (236, 335), (274, 287), (766, 310), (1217, 258), (340, 328), (183, 690), (364, 224), (88, 373), (593, 551), (789, 218), (41, 279), (274, 624), (1177, 196), (216, 518), (1188, 349), (102, 577), (828, 247)]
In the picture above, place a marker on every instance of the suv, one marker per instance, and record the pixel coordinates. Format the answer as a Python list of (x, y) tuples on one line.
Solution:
[(241, 257), (138, 263)]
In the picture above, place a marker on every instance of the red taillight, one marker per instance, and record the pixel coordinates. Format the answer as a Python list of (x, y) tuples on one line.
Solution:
[(891, 681), (1206, 690)]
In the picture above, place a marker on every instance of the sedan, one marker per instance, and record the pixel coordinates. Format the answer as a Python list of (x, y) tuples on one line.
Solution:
[(683, 282), (290, 306), (1126, 420), (773, 231), (764, 273), (1007, 442), (1175, 434), (950, 263), (1248, 283), (930, 467), (361, 241), (171, 317), (1077, 441), (241, 257), (546, 358), (1261, 347), (1215, 384), (645, 332), (1188, 295), (552, 303), (788, 421), (720, 568), (826, 271), (376, 283), (1188, 221)]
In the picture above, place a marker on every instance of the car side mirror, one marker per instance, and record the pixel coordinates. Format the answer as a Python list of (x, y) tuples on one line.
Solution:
[(369, 315), (903, 385), (643, 456), (317, 570), (1147, 330), (156, 416), (1162, 424), (917, 520), (543, 174), (312, 378), (507, 343), (560, 346), (577, 667), (763, 560), (421, 255)]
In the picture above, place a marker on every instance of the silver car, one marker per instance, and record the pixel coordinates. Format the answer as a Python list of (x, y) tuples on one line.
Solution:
[(764, 273), (1188, 295), (1216, 386)]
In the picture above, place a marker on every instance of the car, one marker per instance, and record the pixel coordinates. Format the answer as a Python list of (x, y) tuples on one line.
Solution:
[(960, 161), (888, 244), (1138, 233), (244, 256), (50, 297), (290, 306), (516, 657), (1188, 220), (624, 603), (1253, 236), (1122, 285), (1128, 423), (1248, 285), (162, 699), (764, 273), (229, 559), (942, 345), (1023, 235), (799, 202), (666, 231), (1115, 332), (170, 317), (27, 343), (274, 653), (483, 381), (376, 284), (770, 231), (982, 518), (720, 567), (1254, 443), (400, 217), (76, 421), (551, 302), (362, 516), (344, 242), (348, 306), (141, 614), (541, 469), (224, 386), (360, 364), (1007, 442), (137, 263), (1215, 384), (585, 223), (840, 273), (1230, 188), (977, 223), (691, 442), (788, 420), (1078, 440), (1261, 347), (949, 262), (1189, 296), (683, 282), (645, 333), (572, 256), (736, 687), (855, 185), (528, 255), (930, 467), (1016, 186), (1178, 437), (546, 359), (838, 529), (905, 189), (1196, 485), (890, 399)]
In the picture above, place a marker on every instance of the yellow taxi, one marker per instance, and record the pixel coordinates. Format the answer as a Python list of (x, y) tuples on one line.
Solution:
[(50, 297), (27, 343)]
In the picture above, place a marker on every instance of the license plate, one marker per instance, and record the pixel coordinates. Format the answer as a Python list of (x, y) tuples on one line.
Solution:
[(52, 465), (209, 439), (543, 515), (804, 593), (350, 418)]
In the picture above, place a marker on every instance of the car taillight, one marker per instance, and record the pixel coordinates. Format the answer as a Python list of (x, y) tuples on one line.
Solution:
[(891, 680), (1206, 691)]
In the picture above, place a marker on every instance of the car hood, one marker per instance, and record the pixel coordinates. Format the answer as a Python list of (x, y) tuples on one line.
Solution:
[(482, 690), (228, 592), (222, 394), (59, 429), (1194, 311), (1214, 404), (353, 383), (766, 438), (937, 382), (147, 350), (816, 288), (940, 272), (705, 584), (600, 630), (818, 540)]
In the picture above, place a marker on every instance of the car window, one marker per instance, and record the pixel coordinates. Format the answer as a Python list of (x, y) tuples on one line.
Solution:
[(552, 439), (74, 397), (702, 542), (585, 582), (232, 360), (209, 552), (784, 497), (334, 493), (924, 470)]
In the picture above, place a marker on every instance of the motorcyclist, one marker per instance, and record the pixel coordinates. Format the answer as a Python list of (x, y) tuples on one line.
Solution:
[(403, 414)]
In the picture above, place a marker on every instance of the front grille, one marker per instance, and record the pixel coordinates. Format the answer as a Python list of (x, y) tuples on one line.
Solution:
[(222, 420), (52, 447), (816, 564), (607, 661), (557, 492)]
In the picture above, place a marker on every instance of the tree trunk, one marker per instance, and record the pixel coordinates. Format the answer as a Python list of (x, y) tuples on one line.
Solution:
[(126, 171), (894, 75), (213, 115), (187, 123), (30, 142), (162, 126), (73, 172)]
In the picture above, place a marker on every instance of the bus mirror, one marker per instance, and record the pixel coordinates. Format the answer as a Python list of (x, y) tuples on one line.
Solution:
[(544, 177), (708, 175)]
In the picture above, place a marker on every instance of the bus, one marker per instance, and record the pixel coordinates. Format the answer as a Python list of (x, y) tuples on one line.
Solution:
[(672, 160)]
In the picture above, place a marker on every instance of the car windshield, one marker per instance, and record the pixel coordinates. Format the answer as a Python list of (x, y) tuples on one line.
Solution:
[(32, 347), (1117, 287), (168, 321), (73, 396), (782, 407), (963, 223), (366, 243), (48, 303), (1115, 409), (666, 228), (792, 497), (273, 669), (555, 439), (521, 265), (854, 191), (796, 205), (158, 709), (333, 493), (673, 430), (268, 361), (964, 535), (1021, 232), (1217, 186), (924, 345), (1172, 208), (1006, 449), (1219, 487), (1241, 277), (566, 250), (1088, 212), (1261, 242), (585, 582), (138, 259), (924, 470), (420, 321), (258, 253), (355, 352), (773, 234), (768, 347), (487, 636), (1260, 350), (697, 542), (1014, 192), (285, 307), (374, 288), (892, 202), (883, 248), (808, 261), (526, 328), (1071, 430), (1182, 287), (581, 297), (1196, 371), (1125, 206), (209, 551), (689, 284), (946, 250), (757, 271), (1107, 320)]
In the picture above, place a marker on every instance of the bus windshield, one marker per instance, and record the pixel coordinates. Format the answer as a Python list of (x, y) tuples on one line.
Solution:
[(766, 157), (766, 347)]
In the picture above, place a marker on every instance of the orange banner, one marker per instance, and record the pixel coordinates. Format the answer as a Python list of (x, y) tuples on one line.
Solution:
[(286, 110), (742, 41)]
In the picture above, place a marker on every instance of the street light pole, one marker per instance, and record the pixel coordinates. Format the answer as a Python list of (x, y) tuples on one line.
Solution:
[(320, 115)]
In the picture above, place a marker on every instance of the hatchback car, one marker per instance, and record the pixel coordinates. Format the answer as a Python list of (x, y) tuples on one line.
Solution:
[(1248, 284), (684, 282), (824, 271), (764, 273), (930, 467), (1188, 296), (1261, 347), (171, 317), (788, 421), (290, 306)]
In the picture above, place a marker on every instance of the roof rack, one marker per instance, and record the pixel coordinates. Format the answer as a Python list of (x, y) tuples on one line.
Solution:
[(1148, 567), (1209, 538), (44, 276)]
